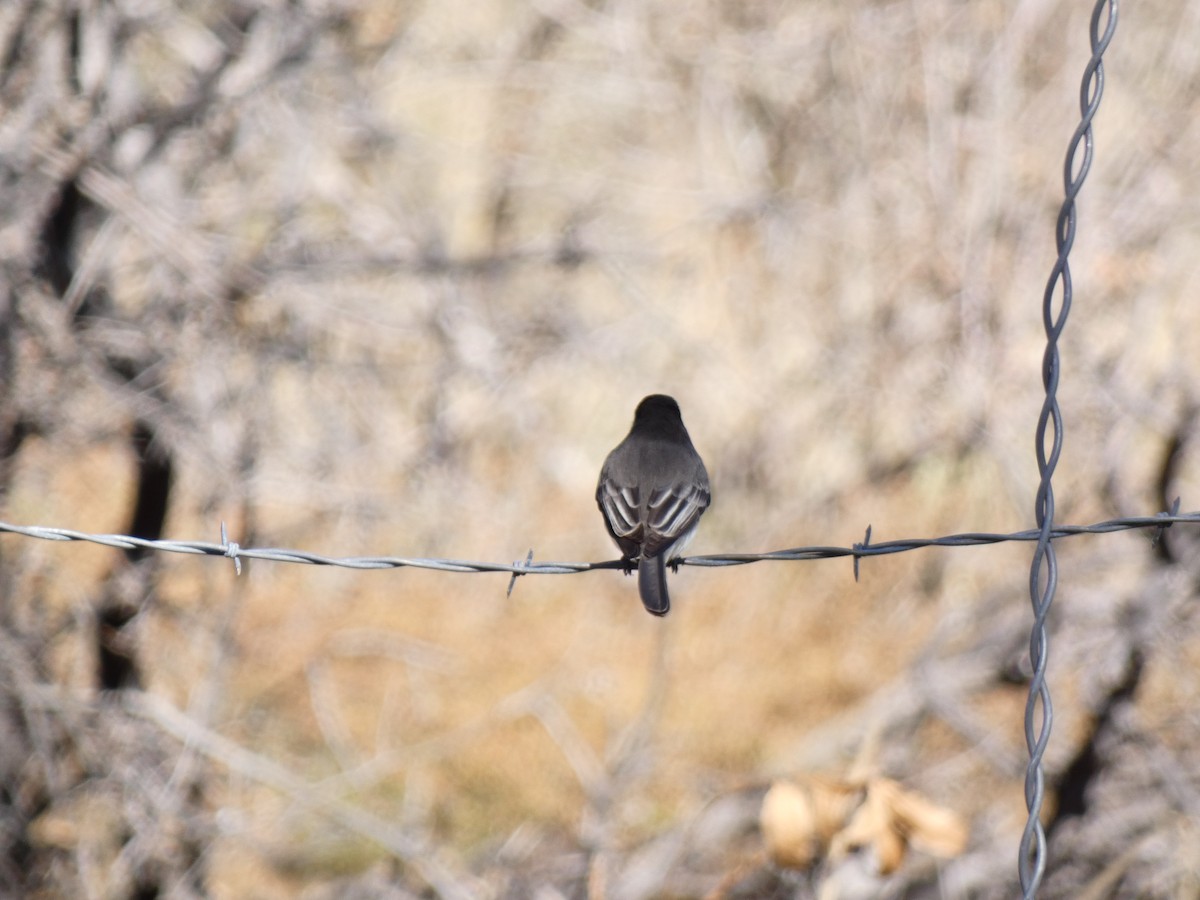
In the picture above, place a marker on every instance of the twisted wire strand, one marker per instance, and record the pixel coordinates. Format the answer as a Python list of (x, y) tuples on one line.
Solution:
[(1043, 573), (237, 553)]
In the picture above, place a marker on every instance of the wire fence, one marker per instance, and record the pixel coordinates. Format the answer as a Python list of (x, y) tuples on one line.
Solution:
[(528, 566), (1043, 573)]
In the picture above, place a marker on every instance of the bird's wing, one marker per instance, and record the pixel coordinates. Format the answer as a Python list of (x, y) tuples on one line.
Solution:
[(620, 505), (672, 512)]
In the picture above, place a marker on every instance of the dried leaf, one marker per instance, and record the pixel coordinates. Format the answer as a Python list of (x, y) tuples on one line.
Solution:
[(929, 828), (799, 819)]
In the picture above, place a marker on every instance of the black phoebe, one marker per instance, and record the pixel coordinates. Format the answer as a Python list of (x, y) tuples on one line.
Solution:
[(652, 490)]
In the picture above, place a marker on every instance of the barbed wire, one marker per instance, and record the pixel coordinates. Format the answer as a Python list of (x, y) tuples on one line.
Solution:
[(1044, 581), (858, 551)]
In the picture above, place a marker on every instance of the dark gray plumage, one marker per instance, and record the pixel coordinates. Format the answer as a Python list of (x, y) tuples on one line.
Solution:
[(652, 490)]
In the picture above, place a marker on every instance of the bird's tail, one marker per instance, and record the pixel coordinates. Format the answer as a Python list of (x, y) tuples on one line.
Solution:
[(652, 584)]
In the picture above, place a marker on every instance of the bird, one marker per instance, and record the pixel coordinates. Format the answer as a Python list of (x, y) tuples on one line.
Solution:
[(652, 491)]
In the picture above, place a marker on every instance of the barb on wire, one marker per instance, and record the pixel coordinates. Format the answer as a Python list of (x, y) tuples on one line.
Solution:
[(231, 549), (1043, 573), (1158, 535), (866, 542), (512, 582)]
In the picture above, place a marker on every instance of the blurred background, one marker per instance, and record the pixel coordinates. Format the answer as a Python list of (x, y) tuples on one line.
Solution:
[(385, 278)]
